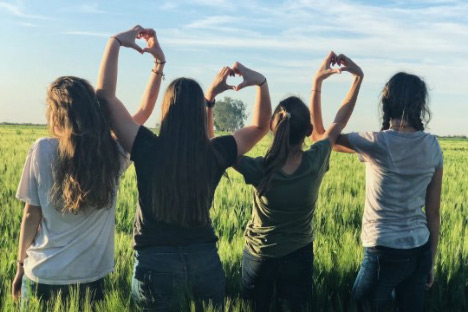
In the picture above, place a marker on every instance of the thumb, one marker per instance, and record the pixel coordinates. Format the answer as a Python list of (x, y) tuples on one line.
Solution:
[(136, 47), (243, 84), (335, 70)]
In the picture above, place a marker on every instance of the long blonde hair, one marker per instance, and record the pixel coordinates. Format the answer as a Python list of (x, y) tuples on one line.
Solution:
[(87, 165)]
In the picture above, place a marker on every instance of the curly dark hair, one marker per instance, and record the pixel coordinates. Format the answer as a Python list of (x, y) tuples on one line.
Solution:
[(405, 97)]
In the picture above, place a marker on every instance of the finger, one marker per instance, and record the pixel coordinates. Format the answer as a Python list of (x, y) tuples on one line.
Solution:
[(343, 59), (136, 47), (225, 72), (138, 28), (329, 58), (243, 84), (237, 67), (334, 71)]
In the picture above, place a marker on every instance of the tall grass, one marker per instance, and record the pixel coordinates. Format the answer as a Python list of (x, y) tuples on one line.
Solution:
[(337, 222)]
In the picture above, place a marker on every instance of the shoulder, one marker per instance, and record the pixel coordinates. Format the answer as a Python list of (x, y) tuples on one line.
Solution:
[(44, 146), (322, 146), (226, 145), (369, 136), (224, 140), (144, 140)]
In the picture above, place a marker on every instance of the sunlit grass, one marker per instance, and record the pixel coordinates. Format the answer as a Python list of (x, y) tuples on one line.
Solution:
[(337, 222)]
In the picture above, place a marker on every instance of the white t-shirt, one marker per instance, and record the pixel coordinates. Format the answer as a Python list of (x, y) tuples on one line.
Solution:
[(68, 248), (399, 167)]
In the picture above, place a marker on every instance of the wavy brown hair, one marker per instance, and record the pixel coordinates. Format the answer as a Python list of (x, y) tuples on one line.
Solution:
[(405, 97), (182, 189), (290, 125), (87, 165)]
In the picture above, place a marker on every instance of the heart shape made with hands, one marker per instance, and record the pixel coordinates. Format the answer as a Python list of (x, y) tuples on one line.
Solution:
[(234, 81)]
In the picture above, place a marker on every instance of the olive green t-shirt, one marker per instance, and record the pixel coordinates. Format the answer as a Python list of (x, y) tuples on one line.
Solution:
[(281, 219)]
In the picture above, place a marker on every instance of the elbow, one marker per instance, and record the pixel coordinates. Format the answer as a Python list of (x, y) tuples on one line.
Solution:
[(316, 136), (102, 94), (33, 215), (263, 130)]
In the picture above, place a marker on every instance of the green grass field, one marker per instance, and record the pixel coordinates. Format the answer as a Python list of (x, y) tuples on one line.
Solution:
[(337, 223)]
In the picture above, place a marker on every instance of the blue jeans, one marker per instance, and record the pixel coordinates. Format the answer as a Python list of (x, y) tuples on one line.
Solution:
[(284, 282), (387, 271), (167, 277), (46, 292)]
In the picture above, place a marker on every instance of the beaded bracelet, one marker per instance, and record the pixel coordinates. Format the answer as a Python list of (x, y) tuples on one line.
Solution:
[(262, 83)]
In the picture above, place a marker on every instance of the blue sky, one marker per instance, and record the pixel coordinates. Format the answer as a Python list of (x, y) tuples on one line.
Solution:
[(285, 40)]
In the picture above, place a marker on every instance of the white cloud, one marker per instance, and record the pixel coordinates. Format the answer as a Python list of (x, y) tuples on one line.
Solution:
[(16, 10), (87, 33)]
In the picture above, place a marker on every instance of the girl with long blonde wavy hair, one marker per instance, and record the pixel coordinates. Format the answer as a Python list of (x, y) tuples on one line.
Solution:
[(69, 186)]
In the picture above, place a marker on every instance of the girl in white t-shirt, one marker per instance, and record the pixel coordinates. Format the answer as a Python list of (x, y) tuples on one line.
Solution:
[(404, 168), (69, 186)]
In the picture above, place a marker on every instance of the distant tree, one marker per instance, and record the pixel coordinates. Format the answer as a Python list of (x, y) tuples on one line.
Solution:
[(229, 114)]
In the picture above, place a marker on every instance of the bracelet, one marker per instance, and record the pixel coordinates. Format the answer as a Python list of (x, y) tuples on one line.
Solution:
[(21, 263), (118, 40), (318, 91), (159, 73), (157, 62), (262, 83), (210, 104)]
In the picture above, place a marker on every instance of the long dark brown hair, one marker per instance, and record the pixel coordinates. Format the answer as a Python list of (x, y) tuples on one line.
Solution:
[(290, 124), (405, 97), (87, 166), (183, 197)]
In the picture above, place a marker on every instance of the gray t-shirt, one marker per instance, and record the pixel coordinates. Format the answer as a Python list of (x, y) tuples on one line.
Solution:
[(399, 167), (68, 248)]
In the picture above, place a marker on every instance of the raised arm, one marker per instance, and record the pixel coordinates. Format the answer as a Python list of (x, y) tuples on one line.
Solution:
[(247, 137), (122, 122), (151, 93), (218, 86), (32, 217), (333, 133), (433, 195)]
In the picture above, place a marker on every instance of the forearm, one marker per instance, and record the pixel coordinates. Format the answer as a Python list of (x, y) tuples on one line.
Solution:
[(210, 122), (433, 223), (107, 78), (346, 109), (262, 108), (148, 100), (316, 108), (29, 226)]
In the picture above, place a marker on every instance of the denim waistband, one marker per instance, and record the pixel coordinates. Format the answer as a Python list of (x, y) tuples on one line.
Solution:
[(393, 251), (177, 249)]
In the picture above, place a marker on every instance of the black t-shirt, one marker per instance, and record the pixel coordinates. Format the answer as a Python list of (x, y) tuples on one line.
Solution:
[(150, 232)]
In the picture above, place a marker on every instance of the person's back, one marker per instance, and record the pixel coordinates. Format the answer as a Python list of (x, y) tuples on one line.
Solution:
[(404, 169), (277, 264), (69, 186), (282, 217), (177, 174), (70, 247), (399, 167)]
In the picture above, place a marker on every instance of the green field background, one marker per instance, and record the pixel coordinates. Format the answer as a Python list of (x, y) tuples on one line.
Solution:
[(337, 222)]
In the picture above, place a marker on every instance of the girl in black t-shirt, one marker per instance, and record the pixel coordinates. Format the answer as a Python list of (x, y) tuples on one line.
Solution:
[(177, 174)]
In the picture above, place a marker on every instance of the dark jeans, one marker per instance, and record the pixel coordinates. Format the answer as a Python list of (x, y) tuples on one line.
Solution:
[(277, 283), (45, 292), (385, 271), (167, 277)]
